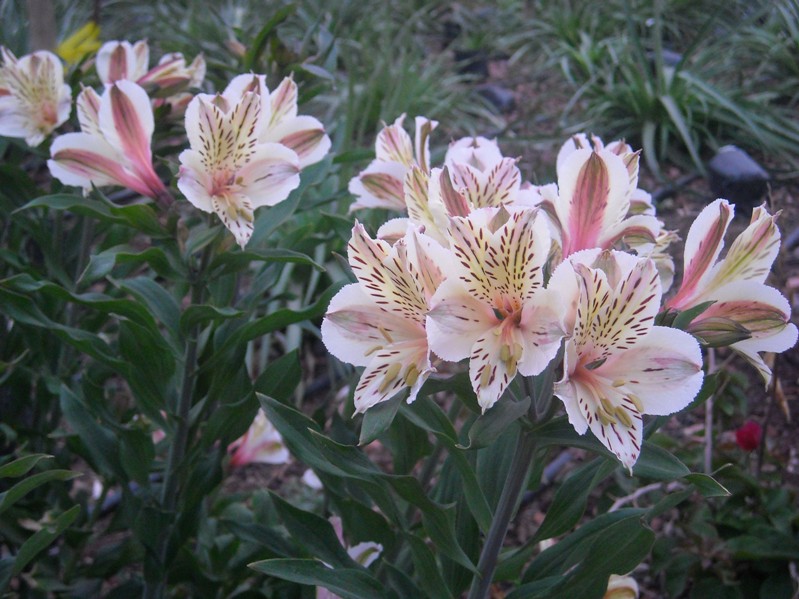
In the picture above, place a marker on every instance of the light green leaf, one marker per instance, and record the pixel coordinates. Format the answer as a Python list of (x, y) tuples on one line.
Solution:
[(22, 465), (25, 486), (43, 538)]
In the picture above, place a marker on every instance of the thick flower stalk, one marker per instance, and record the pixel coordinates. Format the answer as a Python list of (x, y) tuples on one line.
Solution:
[(742, 302), (379, 322), (493, 308), (618, 366), (34, 99), (113, 147), (262, 443), (381, 184), (227, 170)]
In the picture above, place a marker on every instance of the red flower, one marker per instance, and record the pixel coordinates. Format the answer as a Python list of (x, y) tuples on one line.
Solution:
[(748, 436)]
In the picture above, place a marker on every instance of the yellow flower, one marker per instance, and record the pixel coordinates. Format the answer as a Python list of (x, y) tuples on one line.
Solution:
[(83, 42)]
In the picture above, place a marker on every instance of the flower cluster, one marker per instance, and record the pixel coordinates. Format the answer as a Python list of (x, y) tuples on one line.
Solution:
[(486, 267), (247, 147), (247, 144)]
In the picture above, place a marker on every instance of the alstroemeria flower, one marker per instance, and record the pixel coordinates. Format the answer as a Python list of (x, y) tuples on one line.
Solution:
[(493, 308), (590, 208), (480, 153), (379, 322), (117, 61), (113, 147), (475, 175), (381, 184), (34, 99), (280, 122), (262, 443), (618, 365), (227, 170), (737, 283)]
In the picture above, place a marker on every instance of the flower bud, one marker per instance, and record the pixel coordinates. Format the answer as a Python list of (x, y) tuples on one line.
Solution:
[(717, 331), (621, 587)]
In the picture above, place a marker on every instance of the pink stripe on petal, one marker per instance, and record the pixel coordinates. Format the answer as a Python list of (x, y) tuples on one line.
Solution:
[(91, 165), (702, 247), (132, 131)]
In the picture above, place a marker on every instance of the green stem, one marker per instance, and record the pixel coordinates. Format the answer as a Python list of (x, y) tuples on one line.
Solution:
[(514, 488), (171, 489), (508, 502)]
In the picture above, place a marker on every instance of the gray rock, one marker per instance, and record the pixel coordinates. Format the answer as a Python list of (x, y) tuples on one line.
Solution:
[(501, 97), (735, 176)]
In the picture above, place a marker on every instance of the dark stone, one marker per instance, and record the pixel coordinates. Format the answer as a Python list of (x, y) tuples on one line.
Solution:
[(472, 62), (501, 97), (735, 176)]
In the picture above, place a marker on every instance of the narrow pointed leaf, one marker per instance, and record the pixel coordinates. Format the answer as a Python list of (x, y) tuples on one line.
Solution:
[(22, 466), (348, 583), (43, 538)]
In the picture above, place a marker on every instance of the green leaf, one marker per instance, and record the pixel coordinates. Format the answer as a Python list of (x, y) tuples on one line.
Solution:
[(707, 485), (272, 322), (684, 318), (459, 384), (232, 262), (157, 299), (6, 569), (559, 432), (659, 464), (137, 454), (619, 550), (348, 583), (103, 263), (100, 442), (139, 216), (489, 426), (426, 414), (260, 41), (313, 533), (203, 314), (426, 568), (22, 465), (580, 564), (22, 488), (677, 117), (263, 536), (42, 539), (378, 418), (558, 558), (571, 498), (296, 428)]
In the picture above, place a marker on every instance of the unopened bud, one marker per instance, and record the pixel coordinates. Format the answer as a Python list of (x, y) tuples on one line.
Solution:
[(717, 331)]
